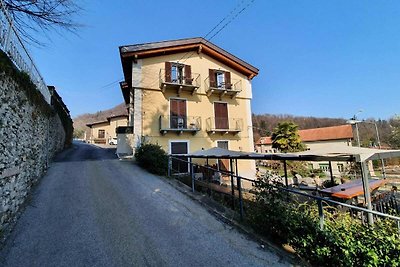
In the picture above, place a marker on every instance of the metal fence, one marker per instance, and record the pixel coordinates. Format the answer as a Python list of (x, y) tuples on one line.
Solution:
[(236, 192), (12, 45)]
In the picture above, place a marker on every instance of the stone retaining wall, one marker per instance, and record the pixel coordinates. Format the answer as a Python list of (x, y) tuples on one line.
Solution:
[(29, 139)]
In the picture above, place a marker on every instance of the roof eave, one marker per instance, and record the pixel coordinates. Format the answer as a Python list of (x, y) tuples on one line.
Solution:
[(128, 53)]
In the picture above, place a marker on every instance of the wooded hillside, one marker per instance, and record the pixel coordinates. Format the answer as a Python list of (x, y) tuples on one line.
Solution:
[(81, 120), (263, 125)]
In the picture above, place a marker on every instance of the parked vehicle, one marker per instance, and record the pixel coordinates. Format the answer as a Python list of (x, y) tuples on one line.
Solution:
[(113, 141)]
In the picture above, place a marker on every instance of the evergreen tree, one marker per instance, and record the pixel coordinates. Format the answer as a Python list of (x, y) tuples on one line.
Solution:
[(285, 138)]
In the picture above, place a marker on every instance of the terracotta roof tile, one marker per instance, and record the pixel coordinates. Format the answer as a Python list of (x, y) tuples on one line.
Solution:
[(318, 134)]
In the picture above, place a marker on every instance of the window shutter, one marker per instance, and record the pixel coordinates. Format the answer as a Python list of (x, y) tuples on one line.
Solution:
[(211, 77), (182, 108), (168, 66), (173, 107), (228, 84), (188, 75)]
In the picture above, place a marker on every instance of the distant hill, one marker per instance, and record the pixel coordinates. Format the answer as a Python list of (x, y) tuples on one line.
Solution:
[(81, 120), (264, 124)]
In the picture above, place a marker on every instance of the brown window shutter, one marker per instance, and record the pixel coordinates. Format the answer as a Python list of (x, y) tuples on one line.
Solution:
[(168, 72), (173, 107), (221, 115), (228, 84), (188, 75), (211, 77)]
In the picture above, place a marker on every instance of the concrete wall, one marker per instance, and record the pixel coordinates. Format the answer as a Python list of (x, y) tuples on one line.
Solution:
[(29, 139)]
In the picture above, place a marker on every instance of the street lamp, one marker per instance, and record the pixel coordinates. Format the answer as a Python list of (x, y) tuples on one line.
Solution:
[(354, 121), (379, 146)]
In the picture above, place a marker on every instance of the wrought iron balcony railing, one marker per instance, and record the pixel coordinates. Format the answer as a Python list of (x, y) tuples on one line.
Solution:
[(179, 83), (221, 89), (224, 125), (180, 124)]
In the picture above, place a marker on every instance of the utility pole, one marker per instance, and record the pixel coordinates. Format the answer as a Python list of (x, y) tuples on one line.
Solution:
[(354, 121)]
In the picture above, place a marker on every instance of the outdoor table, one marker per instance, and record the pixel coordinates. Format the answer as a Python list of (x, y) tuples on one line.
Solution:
[(352, 189)]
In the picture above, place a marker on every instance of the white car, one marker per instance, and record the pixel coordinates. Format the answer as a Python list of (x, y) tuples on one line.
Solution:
[(113, 141)]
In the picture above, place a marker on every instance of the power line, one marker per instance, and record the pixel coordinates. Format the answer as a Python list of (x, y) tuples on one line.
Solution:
[(215, 27), (110, 84), (225, 25)]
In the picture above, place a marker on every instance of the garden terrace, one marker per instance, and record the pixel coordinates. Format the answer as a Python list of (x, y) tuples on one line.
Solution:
[(345, 154)]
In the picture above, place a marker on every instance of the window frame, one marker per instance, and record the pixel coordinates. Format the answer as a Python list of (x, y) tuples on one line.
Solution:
[(324, 167), (103, 133), (220, 73), (170, 142), (179, 72)]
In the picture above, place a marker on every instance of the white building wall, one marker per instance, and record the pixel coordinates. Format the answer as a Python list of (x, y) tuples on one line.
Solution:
[(316, 145)]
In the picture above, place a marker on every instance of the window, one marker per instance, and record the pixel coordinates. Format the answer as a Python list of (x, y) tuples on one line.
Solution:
[(178, 119), (223, 164), (177, 73), (221, 115), (340, 167), (179, 148), (101, 134), (324, 167), (222, 144), (220, 78)]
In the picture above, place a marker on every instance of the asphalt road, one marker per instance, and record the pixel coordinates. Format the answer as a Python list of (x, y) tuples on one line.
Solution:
[(92, 209)]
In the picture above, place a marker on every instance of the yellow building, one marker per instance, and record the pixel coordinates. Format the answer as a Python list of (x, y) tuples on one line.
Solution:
[(187, 95), (104, 132)]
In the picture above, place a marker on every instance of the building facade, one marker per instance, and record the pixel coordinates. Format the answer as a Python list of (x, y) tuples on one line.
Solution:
[(104, 132), (317, 138), (187, 95)]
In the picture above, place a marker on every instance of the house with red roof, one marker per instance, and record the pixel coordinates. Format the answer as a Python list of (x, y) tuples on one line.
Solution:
[(317, 138)]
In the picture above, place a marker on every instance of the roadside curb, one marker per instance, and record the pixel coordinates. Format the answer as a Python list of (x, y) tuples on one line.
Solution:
[(264, 244)]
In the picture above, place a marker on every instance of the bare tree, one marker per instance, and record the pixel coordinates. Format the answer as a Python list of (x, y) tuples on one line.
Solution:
[(32, 17)]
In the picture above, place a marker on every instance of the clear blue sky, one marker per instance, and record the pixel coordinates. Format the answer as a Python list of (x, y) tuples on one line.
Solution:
[(316, 58)]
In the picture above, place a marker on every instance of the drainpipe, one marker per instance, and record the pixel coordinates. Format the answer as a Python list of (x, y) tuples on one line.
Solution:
[(131, 99)]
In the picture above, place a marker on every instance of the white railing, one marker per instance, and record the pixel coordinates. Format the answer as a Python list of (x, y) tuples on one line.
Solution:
[(12, 45)]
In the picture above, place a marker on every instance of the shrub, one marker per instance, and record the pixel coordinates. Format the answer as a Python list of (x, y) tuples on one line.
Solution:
[(317, 172), (152, 158), (345, 241)]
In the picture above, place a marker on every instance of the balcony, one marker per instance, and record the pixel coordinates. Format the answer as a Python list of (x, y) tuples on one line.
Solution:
[(224, 125), (223, 89), (180, 124), (179, 84)]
